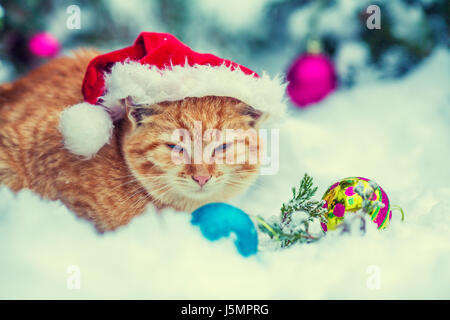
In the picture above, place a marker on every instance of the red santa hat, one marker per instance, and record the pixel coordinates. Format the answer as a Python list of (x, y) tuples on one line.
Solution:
[(156, 68)]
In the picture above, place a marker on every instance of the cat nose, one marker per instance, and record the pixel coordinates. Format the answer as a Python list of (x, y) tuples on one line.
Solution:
[(201, 180)]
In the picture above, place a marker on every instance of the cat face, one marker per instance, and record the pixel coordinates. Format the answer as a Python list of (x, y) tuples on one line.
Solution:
[(191, 152)]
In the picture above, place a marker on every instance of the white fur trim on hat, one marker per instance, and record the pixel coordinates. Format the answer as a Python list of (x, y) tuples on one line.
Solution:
[(148, 85), (85, 128)]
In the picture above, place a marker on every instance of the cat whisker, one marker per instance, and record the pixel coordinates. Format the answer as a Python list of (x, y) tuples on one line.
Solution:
[(141, 176), (145, 179), (142, 201), (124, 184), (127, 197), (140, 188), (160, 196)]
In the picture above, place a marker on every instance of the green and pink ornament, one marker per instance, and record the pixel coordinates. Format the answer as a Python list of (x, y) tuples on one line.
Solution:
[(354, 194)]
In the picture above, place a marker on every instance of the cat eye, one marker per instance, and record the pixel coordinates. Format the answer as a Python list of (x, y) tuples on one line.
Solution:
[(221, 148), (175, 147)]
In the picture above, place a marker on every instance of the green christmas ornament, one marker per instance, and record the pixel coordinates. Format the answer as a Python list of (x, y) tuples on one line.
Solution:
[(354, 194)]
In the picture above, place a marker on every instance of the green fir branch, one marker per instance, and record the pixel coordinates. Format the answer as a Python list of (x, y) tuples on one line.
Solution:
[(287, 231)]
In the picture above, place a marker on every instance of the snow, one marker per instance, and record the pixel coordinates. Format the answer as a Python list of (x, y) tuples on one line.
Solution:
[(329, 19), (6, 71), (236, 15), (396, 132), (409, 20), (352, 61)]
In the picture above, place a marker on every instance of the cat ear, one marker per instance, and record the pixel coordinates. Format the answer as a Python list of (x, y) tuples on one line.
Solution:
[(256, 116), (136, 113)]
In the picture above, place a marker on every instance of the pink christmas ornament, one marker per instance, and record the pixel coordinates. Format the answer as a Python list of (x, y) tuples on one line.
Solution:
[(341, 198), (311, 77), (44, 44)]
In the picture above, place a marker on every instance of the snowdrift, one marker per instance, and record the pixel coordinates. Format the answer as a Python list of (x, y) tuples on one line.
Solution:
[(396, 132)]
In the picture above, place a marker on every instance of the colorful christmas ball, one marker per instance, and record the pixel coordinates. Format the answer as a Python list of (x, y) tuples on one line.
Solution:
[(44, 44), (341, 198), (218, 220), (311, 77)]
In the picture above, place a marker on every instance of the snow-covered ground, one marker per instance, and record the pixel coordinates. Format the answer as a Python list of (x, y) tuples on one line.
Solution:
[(396, 132)]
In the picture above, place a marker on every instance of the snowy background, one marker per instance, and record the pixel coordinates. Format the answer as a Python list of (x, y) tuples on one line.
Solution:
[(385, 122)]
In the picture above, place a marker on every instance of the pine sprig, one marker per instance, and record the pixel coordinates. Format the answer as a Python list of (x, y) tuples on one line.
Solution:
[(286, 228), (299, 197)]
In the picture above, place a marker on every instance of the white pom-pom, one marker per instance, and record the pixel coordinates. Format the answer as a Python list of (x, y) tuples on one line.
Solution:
[(86, 128)]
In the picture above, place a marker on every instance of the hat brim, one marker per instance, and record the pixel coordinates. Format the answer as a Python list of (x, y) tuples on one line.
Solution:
[(150, 85)]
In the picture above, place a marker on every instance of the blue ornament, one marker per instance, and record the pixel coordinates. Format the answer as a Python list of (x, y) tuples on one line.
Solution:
[(217, 220)]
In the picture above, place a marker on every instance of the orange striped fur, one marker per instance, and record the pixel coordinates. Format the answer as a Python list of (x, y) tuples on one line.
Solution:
[(135, 169)]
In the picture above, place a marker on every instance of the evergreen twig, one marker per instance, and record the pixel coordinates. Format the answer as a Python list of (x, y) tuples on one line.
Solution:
[(287, 231)]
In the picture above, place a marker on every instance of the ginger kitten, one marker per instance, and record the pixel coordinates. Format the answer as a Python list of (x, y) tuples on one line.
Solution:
[(142, 164)]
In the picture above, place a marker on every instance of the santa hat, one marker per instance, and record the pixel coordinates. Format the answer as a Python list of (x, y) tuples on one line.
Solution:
[(156, 68)]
